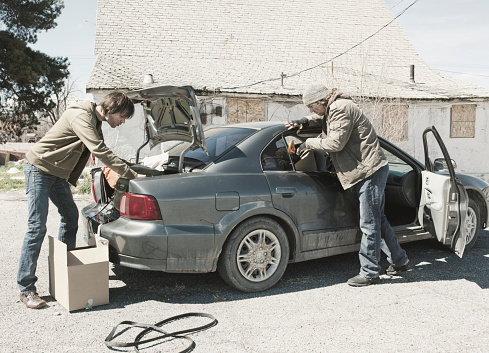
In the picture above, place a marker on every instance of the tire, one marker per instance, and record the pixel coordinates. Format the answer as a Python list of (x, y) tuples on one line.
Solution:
[(255, 255), (472, 224)]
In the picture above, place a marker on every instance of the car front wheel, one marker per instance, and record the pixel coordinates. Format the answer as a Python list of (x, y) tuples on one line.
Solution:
[(255, 256), (472, 224)]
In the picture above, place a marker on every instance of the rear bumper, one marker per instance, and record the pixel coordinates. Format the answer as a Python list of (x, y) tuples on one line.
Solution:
[(145, 245), (141, 264), (169, 265)]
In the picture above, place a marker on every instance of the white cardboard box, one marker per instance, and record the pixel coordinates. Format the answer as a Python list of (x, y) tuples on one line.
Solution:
[(79, 277)]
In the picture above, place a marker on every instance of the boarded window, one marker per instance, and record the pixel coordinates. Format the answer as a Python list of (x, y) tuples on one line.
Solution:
[(245, 110), (203, 118), (462, 120), (218, 110), (395, 122)]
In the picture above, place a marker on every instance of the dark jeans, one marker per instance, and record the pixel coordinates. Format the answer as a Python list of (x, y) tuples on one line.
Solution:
[(377, 232), (40, 188)]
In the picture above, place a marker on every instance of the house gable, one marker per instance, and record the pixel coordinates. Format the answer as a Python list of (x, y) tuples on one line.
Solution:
[(263, 47)]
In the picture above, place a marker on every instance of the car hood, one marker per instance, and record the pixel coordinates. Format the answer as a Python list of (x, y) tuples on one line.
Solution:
[(172, 114)]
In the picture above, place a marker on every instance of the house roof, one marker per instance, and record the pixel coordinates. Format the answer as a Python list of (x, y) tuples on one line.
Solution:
[(264, 47)]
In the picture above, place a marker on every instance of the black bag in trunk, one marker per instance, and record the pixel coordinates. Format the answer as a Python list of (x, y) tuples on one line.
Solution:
[(101, 189)]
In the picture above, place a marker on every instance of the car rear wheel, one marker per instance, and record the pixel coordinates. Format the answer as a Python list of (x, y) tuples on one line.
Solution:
[(472, 224), (255, 256)]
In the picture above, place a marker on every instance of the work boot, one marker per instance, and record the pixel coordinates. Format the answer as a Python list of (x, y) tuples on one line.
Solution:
[(393, 270), (362, 281), (32, 300)]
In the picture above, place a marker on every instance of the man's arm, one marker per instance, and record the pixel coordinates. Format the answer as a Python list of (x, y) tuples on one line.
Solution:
[(309, 120), (87, 133), (339, 131)]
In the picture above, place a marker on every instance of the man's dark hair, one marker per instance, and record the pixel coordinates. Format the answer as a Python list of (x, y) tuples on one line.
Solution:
[(117, 102)]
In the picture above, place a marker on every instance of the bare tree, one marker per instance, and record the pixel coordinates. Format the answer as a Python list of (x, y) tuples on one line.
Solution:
[(61, 100)]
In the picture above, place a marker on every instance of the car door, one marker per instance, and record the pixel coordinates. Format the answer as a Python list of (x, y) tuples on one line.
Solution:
[(444, 200), (324, 213)]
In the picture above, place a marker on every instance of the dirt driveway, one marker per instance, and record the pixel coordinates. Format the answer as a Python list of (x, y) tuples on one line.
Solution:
[(440, 306)]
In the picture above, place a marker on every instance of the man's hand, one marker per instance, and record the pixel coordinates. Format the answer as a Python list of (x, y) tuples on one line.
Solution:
[(290, 125), (297, 124), (301, 149), (110, 176)]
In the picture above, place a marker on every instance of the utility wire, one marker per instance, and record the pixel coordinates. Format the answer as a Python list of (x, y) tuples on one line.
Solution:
[(333, 58), (462, 73), (397, 4), (356, 45)]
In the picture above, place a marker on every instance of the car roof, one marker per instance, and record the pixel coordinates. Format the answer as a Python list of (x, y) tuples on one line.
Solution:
[(257, 125)]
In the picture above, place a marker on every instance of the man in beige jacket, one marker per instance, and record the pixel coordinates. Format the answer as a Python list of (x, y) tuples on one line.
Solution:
[(55, 162), (360, 164)]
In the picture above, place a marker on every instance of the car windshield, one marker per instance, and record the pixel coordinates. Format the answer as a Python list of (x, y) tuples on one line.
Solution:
[(218, 140)]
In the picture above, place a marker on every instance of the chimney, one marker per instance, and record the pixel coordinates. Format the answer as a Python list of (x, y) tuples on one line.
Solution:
[(148, 79), (411, 74)]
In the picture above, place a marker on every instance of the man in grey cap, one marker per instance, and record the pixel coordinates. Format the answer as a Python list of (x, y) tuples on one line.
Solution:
[(351, 141)]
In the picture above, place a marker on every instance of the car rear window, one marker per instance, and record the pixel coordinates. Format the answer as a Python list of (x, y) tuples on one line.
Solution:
[(218, 140)]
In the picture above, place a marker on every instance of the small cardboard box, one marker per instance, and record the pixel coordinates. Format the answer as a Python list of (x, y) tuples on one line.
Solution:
[(79, 278)]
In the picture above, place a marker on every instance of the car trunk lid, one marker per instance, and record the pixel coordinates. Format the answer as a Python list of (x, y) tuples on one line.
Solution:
[(172, 114)]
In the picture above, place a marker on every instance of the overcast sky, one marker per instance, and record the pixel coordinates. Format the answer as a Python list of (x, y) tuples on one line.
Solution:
[(452, 36), (74, 38)]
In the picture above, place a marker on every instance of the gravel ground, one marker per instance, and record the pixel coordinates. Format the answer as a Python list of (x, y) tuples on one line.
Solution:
[(442, 305)]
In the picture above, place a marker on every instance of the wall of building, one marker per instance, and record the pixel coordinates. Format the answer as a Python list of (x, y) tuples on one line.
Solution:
[(469, 153)]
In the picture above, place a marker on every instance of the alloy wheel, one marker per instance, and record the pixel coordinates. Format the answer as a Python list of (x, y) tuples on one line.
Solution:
[(470, 225), (258, 255)]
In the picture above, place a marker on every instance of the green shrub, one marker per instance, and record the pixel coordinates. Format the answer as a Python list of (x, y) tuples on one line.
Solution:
[(9, 181), (84, 185), (15, 181)]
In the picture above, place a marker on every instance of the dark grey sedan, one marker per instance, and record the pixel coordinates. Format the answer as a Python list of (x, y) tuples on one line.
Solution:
[(234, 199)]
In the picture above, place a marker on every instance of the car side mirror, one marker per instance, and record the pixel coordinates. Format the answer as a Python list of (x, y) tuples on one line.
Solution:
[(440, 165)]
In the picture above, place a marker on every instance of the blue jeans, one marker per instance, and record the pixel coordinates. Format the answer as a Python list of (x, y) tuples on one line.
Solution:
[(40, 188), (377, 233)]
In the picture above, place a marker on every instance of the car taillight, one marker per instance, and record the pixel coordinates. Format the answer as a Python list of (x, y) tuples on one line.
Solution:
[(139, 207), (93, 191)]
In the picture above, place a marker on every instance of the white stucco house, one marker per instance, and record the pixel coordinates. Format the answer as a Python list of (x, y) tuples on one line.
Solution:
[(251, 60)]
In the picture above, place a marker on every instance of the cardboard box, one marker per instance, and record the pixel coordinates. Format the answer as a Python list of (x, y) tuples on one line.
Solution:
[(79, 278)]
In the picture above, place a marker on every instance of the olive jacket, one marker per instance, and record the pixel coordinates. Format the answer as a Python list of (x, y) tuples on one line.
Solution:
[(66, 147), (350, 140)]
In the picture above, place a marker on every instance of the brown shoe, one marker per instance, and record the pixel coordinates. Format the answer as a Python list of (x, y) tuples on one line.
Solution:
[(32, 300), (362, 281), (394, 270)]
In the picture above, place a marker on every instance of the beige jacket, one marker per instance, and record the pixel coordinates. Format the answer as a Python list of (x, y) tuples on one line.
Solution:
[(66, 147), (350, 140)]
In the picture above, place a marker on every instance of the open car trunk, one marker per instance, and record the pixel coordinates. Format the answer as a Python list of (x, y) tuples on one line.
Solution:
[(171, 114)]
